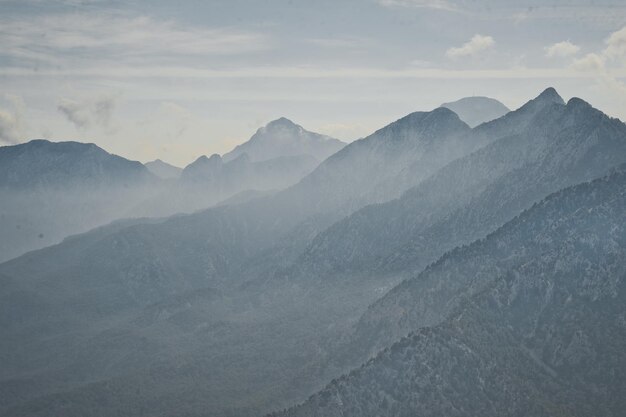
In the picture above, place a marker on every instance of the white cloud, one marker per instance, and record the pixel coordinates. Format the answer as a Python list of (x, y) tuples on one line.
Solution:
[(11, 124), (607, 66), (64, 38), (9, 128), (475, 45), (590, 62), (616, 44), (88, 113), (562, 49), (611, 57)]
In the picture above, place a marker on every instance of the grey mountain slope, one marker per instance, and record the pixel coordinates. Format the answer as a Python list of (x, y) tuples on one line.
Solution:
[(163, 170), (429, 139), (275, 157), (209, 180), (61, 289), (529, 320), (198, 248), (40, 163), (49, 190), (241, 173), (477, 110), (563, 145), (118, 276), (510, 124), (281, 138)]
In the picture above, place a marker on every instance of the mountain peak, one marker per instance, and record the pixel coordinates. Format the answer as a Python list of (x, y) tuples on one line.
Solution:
[(477, 110), (41, 162), (425, 121), (281, 122), (576, 102), (282, 137), (550, 94), (202, 168), (162, 169), (204, 160)]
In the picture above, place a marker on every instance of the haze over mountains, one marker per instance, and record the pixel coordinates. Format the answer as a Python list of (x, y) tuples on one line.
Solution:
[(53, 190), (529, 319), (477, 110), (442, 269), (163, 170), (281, 138)]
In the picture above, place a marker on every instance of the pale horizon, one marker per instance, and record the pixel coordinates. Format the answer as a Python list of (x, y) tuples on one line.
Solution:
[(146, 81)]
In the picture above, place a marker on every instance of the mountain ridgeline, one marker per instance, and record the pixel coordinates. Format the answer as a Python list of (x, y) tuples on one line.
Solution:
[(477, 110), (561, 145), (528, 320), (430, 268), (284, 138), (50, 190)]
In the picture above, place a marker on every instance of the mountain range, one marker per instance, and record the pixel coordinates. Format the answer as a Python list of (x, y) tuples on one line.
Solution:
[(441, 269), (529, 319), (163, 170), (477, 110), (51, 190), (282, 138)]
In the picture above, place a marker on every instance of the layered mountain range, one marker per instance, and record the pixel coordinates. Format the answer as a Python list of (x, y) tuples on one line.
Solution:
[(461, 271), (528, 320), (51, 190)]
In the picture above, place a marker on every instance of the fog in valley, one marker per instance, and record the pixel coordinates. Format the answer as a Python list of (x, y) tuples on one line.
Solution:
[(453, 256)]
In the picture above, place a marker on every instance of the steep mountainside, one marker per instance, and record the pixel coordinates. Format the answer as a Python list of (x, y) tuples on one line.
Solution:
[(563, 145), (530, 320), (281, 138), (205, 311), (277, 156), (50, 190), (239, 174), (477, 110), (76, 293), (163, 170)]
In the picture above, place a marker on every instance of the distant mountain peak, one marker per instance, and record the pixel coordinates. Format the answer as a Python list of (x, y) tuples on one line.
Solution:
[(281, 122), (162, 169), (477, 110), (576, 102), (203, 159), (425, 124), (282, 137), (43, 163), (550, 94), (202, 168), (444, 113)]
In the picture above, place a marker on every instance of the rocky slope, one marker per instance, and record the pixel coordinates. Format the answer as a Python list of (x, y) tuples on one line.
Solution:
[(560, 146), (529, 320)]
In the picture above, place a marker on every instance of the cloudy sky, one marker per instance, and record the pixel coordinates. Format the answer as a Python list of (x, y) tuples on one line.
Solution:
[(157, 79)]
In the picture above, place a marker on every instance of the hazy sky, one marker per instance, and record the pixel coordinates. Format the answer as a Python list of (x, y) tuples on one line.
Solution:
[(148, 79)]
